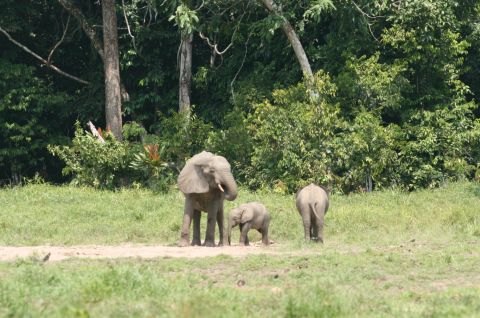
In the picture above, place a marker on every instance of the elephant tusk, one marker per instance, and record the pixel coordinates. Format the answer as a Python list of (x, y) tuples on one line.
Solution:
[(220, 187)]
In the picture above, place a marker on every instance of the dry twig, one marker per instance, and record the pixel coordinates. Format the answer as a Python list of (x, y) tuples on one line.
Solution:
[(95, 132)]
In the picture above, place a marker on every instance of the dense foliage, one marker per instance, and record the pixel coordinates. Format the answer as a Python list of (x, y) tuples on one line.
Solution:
[(395, 83)]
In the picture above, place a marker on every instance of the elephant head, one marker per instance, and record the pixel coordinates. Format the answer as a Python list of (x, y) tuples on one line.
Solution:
[(205, 172), (238, 216)]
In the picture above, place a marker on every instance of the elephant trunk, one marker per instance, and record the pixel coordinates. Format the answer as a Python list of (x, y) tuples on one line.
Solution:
[(229, 184)]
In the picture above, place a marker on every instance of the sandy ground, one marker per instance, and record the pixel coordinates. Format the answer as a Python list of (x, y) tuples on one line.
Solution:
[(58, 253)]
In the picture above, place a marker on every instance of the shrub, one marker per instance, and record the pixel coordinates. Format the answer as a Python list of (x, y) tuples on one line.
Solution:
[(293, 138), (182, 136), (93, 163), (440, 145), (364, 153), (30, 115), (234, 142), (156, 171)]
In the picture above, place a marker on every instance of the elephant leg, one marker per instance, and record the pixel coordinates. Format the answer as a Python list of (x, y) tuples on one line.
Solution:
[(221, 225), (314, 229), (307, 229), (240, 226), (304, 209), (265, 240), (319, 226), (306, 226), (197, 215), (187, 220), (211, 222), (244, 235)]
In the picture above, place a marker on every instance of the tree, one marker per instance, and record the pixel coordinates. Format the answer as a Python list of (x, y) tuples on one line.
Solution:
[(293, 38), (185, 78), (367, 148), (425, 35), (113, 102), (316, 8), (30, 115), (366, 84)]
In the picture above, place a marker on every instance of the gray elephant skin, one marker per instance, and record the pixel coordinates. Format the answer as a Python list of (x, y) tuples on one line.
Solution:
[(206, 181), (312, 204), (249, 216)]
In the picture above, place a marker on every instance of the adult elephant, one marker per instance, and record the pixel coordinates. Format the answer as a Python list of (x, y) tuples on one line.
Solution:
[(206, 181), (312, 203)]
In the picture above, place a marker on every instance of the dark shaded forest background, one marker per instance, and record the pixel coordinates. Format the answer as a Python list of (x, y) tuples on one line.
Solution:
[(396, 82)]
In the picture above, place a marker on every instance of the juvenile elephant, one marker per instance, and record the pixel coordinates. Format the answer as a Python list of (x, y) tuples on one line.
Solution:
[(206, 180), (252, 215), (312, 204)]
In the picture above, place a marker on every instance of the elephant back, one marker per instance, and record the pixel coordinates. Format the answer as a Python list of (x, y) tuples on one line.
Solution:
[(312, 194)]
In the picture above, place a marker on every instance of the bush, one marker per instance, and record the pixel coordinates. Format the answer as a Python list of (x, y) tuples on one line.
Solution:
[(182, 136), (156, 171), (234, 142), (93, 163), (293, 138), (364, 153), (440, 145)]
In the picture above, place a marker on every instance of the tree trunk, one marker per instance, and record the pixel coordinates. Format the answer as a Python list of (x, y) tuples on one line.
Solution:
[(368, 183), (89, 31), (113, 101), (185, 81), (16, 178), (213, 55), (295, 42), (92, 35)]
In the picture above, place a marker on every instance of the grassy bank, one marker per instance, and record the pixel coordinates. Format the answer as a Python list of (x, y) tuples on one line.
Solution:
[(43, 214)]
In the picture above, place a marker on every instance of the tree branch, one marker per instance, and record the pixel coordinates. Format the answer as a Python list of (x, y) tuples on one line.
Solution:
[(91, 33), (214, 46), (235, 31), (44, 61), (366, 14), (128, 27), (244, 57), (61, 40), (101, 27), (370, 17)]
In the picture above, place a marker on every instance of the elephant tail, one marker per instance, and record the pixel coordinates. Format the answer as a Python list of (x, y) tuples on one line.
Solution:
[(312, 206)]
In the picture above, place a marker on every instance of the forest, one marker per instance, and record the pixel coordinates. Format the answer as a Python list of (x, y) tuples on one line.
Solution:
[(354, 95)]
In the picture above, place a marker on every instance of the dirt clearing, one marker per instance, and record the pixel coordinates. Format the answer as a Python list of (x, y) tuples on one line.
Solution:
[(58, 253)]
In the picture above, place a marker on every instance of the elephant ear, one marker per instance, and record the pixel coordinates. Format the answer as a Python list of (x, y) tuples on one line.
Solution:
[(247, 215), (191, 178)]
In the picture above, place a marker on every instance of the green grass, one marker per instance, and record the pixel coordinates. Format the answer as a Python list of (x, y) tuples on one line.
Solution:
[(373, 283), (367, 267)]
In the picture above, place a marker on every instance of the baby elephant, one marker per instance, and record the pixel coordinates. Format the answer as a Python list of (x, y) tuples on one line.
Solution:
[(312, 204), (252, 215)]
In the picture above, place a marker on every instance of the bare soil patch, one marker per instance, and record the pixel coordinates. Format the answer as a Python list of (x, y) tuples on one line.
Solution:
[(58, 253)]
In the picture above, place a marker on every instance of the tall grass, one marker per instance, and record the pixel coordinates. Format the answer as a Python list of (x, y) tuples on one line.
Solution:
[(45, 214)]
